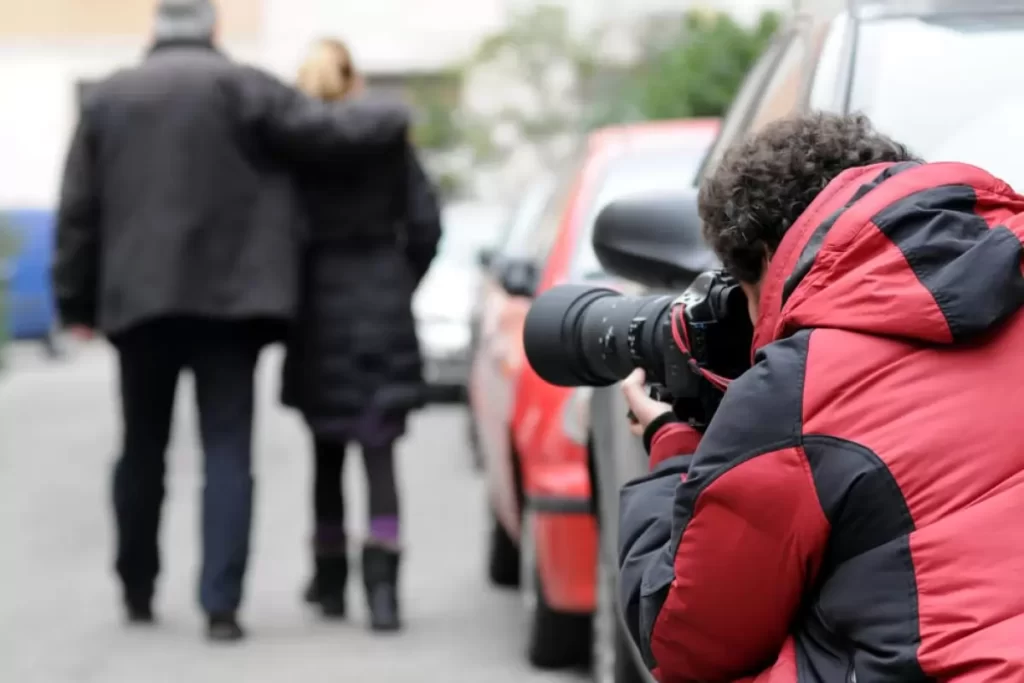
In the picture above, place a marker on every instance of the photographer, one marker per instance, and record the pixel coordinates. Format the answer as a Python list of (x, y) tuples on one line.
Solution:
[(853, 508)]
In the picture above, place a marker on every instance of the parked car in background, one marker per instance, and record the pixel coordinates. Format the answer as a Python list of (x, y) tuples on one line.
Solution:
[(30, 313), (931, 73), (532, 435), (504, 267), (444, 302)]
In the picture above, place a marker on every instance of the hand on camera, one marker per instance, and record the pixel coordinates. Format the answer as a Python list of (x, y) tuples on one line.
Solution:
[(643, 409)]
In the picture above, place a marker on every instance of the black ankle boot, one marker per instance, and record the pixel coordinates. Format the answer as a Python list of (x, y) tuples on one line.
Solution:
[(331, 579), (327, 587), (380, 576)]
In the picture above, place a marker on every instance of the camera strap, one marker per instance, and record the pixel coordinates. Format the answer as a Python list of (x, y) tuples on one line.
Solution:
[(682, 340)]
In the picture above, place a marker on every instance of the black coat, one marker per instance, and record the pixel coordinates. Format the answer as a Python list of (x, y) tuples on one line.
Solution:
[(178, 198), (355, 352)]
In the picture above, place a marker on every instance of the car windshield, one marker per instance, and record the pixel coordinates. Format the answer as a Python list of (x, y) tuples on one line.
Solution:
[(467, 230), (647, 171), (947, 88), (520, 224)]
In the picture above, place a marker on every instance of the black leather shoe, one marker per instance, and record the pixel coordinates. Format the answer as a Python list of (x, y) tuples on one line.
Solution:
[(380, 576), (139, 614), (224, 628)]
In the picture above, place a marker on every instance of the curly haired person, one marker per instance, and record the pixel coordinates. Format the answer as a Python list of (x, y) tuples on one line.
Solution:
[(852, 511)]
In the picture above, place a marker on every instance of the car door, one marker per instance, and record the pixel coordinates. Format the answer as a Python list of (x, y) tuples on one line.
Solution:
[(500, 359)]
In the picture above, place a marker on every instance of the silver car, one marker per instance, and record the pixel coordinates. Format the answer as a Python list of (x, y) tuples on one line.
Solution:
[(443, 304)]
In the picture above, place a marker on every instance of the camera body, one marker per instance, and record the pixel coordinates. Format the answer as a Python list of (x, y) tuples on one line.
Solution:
[(716, 335), (689, 346)]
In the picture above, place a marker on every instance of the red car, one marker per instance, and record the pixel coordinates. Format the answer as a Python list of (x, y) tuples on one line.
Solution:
[(532, 436)]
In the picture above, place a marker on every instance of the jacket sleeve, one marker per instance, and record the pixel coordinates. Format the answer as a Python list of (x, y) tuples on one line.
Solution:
[(718, 550), (423, 217), (77, 254), (305, 129)]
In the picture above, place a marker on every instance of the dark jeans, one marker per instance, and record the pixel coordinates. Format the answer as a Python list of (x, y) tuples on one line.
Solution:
[(222, 357)]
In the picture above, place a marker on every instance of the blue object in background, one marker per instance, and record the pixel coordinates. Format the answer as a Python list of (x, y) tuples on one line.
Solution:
[(31, 310)]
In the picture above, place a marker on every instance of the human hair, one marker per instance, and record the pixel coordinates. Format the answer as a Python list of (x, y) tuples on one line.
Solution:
[(328, 72), (766, 181)]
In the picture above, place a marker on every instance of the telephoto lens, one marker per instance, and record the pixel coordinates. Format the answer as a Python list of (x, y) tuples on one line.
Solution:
[(579, 335)]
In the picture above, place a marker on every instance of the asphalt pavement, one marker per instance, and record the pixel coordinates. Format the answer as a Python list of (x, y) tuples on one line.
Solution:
[(60, 618)]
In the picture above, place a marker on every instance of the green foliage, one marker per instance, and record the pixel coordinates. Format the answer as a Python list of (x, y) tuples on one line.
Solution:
[(693, 67), (436, 103), (537, 53), (699, 72)]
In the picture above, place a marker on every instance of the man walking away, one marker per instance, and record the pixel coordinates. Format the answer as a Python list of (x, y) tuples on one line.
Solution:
[(178, 238)]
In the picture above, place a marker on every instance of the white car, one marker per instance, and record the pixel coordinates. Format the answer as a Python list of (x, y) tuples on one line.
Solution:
[(443, 304)]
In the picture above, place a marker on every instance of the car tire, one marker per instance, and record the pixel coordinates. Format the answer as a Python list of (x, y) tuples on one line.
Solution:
[(556, 640), (502, 556)]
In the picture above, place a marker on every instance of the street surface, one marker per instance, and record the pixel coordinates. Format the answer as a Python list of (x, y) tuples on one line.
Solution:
[(60, 616)]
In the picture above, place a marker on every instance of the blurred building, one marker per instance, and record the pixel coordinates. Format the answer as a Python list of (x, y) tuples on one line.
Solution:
[(51, 49)]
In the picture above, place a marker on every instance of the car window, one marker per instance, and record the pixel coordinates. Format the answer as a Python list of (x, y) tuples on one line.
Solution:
[(829, 86), (944, 87), (735, 122), (542, 237), (468, 228), (643, 171), (523, 219), (782, 95)]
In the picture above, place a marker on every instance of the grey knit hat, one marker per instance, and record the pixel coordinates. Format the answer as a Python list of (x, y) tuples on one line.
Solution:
[(185, 20)]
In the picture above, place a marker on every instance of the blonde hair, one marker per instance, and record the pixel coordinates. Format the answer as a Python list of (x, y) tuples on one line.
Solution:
[(328, 72)]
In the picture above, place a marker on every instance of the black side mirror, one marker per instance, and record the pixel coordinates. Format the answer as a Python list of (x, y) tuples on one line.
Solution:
[(653, 240), (520, 277), (485, 257)]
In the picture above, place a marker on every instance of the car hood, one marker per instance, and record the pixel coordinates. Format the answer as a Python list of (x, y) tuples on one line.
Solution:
[(448, 292)]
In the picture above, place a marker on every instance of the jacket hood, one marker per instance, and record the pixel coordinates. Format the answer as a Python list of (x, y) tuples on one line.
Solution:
[(923, 252)]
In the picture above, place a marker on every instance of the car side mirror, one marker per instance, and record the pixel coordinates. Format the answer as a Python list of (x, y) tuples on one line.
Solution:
[(653, 240), (519, 277)]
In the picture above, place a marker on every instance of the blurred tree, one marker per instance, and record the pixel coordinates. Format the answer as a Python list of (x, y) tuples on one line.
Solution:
[(435, 102), (536, 70), (530, 90), (697, 71)]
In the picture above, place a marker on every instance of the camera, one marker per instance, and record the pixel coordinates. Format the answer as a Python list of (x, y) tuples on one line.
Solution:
[(690, 346)]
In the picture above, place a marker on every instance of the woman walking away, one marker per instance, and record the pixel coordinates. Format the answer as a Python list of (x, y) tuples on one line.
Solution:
[(353, 366)]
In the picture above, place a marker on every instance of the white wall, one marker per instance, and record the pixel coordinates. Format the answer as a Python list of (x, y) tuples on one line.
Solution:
[(38, 109)]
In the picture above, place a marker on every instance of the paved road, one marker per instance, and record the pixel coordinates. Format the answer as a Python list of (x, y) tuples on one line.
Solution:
[(59, 621)]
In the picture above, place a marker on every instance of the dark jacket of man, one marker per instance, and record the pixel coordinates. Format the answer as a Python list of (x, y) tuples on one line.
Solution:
[(355, 348), (177, 198), (853, 512)]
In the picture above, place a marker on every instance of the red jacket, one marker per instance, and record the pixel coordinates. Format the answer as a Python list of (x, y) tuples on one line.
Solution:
[(855, 511)]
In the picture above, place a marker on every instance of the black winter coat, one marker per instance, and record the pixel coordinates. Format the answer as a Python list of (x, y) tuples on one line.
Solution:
[(354, 353), (177, 196)]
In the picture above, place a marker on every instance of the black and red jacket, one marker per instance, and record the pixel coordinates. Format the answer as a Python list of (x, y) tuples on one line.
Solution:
[(855, 511)]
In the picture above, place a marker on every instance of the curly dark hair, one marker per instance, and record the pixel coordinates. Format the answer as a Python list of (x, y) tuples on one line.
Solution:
[(763, 183)]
